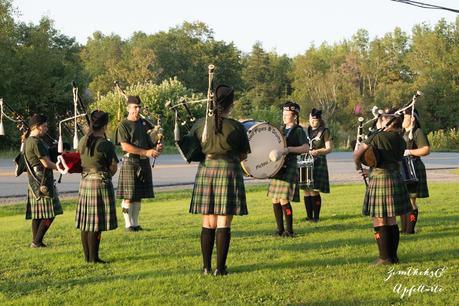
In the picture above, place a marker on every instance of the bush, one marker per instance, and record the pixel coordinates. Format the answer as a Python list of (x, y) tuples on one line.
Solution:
[(444, 140)]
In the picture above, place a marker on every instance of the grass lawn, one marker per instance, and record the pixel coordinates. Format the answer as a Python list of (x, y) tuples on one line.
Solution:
[(328, 263)]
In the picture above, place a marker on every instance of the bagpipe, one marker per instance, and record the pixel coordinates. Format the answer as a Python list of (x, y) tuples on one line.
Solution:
[(70, 162), (188, 146), (8, 112), (370, 157), (154, 131)]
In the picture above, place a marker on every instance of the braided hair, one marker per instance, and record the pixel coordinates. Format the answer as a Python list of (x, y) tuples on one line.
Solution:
[(223, 99)]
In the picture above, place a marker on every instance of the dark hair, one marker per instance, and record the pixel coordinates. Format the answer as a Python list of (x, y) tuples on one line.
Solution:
[(223, 99), (37, 120), (98, 119)]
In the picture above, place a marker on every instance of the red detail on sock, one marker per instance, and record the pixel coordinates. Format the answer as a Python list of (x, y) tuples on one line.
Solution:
[(412, 218), (377, 236), (288, 212)]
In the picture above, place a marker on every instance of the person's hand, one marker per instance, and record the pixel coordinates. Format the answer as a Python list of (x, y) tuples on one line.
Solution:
[(406, 153), (152, 153), (314, 153), (159, 147), (363, 172), (285, 151)]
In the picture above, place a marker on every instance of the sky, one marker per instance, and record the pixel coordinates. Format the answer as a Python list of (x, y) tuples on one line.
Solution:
[(285, 26)]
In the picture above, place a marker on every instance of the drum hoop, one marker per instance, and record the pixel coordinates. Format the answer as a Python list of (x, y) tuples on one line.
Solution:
[(281, 160)]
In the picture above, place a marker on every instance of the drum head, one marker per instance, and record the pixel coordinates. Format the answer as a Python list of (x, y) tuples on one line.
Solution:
[(263, 138)]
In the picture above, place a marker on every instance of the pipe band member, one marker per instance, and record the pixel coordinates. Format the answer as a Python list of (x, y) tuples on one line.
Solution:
[(42, 196), (386, 195), (283, 185), (219, 191), (135, 180), (320, 139), (416, 147), (96, 210)]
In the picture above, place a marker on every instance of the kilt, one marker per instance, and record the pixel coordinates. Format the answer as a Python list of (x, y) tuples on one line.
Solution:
[(419, 189), (135, 181), (386, 194), (284, 184), (96, 210), (320, 175), (219, 188), (44, 207)]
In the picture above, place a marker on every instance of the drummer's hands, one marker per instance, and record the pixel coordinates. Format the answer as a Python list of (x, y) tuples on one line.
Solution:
[(363, 172), (285, 151), (407, 153)]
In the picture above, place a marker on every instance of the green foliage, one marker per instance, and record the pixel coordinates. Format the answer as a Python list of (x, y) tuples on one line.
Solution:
[(444, 140), (153, 99), (328, 263)]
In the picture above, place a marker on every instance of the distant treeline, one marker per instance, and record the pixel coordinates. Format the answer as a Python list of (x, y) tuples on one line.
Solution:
[(37, 65)]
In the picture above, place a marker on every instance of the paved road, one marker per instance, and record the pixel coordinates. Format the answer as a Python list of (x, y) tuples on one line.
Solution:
[(171, 170)]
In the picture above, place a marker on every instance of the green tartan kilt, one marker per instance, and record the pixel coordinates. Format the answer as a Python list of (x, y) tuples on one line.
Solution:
[(131, 185), (284, 184), (386, 194), (96, 210), (219, 188), (44, 207), (320, 175), (419, 189)]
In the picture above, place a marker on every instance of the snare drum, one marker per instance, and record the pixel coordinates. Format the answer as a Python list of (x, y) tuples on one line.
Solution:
[(407, 170), (306, 171), (263, 138)]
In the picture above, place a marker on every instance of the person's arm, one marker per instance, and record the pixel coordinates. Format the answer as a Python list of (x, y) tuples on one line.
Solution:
[(298, 150), (323, 151), (358, 154), (47, 163), (113, 167), (127, 147), (423, 151)]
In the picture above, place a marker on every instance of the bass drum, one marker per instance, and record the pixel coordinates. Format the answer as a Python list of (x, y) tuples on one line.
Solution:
[(263, 139)]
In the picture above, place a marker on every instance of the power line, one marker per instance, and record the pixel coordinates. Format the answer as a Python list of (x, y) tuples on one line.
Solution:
[(426, 5)]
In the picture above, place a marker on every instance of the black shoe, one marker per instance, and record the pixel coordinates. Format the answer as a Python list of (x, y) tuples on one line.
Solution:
[(315, 220), (130, 229), (395, 260), (138, 228), (100, 261), (288, 234), (220, 272), (38, 245), (278, 233), (206, 271)]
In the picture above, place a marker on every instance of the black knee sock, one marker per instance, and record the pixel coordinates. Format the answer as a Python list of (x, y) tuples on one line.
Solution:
[(412, 219), (85, 243), (317, 203), (207, 246), (382, 237), (288, 213), (45, 224), (308, 206), (279, 217), (395, 239), (35, 226), (94, 242), (223, 242)]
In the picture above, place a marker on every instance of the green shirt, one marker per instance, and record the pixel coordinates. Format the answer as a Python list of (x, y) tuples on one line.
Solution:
[(390, 146), (134, 133), (419, 139), (35, 149), (232, 140), (102, 157), (324, 137)]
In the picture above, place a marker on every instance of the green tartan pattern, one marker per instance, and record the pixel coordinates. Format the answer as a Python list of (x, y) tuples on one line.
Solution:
[(320, 175), (386, 194), (96, 210), (219, 188), (130, 186), (419, 189), (284, 183), (44, 207)]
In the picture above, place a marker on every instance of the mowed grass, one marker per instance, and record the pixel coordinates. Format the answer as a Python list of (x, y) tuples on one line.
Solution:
[(328, 263)]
